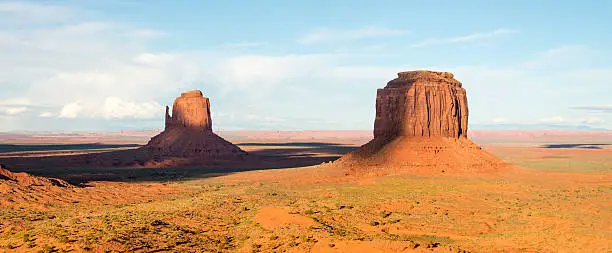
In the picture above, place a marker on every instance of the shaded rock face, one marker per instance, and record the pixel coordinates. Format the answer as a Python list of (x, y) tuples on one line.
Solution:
[(422, 103), (24, 179), (188, 131), (191, 110)]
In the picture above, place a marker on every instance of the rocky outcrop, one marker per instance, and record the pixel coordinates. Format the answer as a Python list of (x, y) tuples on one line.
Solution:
[(422, 103), (421, 124), (192, 111), (188, 132), (25, 179)]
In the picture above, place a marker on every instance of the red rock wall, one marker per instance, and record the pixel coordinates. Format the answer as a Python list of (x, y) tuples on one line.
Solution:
[(189, 132), (422, 104), (190, 110)]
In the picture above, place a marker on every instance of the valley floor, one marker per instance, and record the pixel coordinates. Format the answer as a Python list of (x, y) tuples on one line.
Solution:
[(312, 209)]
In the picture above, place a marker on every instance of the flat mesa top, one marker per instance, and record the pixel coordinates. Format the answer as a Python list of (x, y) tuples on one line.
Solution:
[(192, 93), (424, 77)]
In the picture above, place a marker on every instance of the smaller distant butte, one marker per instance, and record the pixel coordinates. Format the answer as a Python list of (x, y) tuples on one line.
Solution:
[(188, 132)]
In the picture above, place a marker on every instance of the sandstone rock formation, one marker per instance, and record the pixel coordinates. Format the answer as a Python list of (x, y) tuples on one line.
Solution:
[(188, 132), (422, 103), (192, 111), (421, 123)]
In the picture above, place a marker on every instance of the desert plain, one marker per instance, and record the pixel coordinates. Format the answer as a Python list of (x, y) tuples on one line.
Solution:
[(555, 195)]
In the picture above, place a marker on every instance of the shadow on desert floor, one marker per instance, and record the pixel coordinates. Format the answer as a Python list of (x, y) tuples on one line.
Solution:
[(77, 170), (577, 145), (298, 149), (57, 147)]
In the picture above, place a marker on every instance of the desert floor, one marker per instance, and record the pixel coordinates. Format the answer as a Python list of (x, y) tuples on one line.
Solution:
[(558, 199)]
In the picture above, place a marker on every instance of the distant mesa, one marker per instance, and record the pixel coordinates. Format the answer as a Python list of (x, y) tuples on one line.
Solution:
[(188, 132), (422, 123)]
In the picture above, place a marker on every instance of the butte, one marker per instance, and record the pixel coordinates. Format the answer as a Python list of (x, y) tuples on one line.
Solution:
[(188, 132), (421, 125)]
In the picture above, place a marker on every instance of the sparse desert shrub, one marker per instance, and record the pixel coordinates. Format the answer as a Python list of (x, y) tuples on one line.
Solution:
[(432, 244), (413, 245), (47, 249), (26, 238), (62, 238), (156, 223), (385, 214), (306, 239), (256, 247)]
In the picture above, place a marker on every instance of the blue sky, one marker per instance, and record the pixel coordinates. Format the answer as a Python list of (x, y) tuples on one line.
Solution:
[(290, 65)]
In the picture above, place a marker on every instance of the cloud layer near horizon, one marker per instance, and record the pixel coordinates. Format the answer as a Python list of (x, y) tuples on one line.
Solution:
[(102, 74)]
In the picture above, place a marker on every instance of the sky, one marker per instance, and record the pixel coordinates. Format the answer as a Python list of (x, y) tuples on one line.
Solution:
[(93, 65)]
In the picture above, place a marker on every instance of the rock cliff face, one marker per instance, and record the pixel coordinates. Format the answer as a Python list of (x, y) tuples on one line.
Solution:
[(188, 132), (421, 125), (422, 103), (191, 110)]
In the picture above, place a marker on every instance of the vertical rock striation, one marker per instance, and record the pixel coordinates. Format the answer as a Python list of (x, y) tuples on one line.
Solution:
[(421, 124), (191, 110), (422, 103)]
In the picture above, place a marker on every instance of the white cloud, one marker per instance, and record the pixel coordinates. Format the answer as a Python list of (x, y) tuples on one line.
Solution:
[(109, 69), (116, 108), (160, 59), (85, 28), (88, 62), (264, 72), (15, 102), (28, 12), (338, 35), (146, 33), (15, 110), (14, 106), (46, 115), (465, 38), (71, 110)]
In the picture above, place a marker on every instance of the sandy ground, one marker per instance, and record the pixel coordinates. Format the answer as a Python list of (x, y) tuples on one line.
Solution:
[(543, 205)]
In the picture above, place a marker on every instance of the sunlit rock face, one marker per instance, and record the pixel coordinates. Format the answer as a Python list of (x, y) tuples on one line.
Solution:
[(421, 126), (191, 110), (422, 103)]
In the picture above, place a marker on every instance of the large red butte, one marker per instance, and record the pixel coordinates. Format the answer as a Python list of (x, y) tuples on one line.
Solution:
[(422, 103), (421, 125)]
